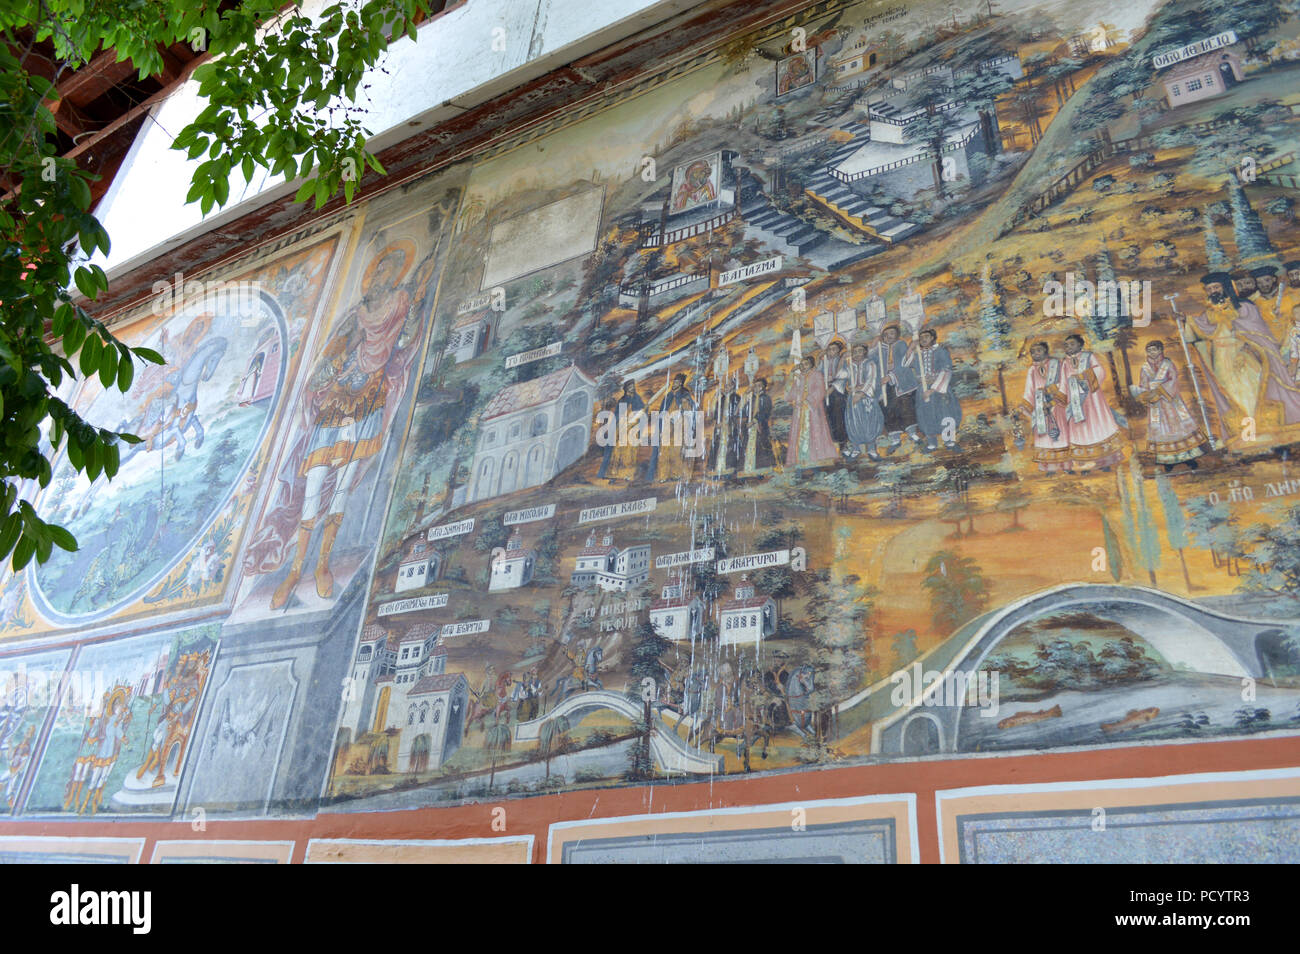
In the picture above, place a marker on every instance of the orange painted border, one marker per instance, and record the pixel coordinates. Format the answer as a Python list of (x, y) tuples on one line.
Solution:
[(534, 814)]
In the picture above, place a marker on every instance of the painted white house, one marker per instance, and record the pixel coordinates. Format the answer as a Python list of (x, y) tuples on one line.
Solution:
[(420, 565), (611, 568), (434, 722), (514, 568), (856, 56), (374, 659), (677, 615), (468, 337), (531, 431), (1202, 77), (747, 618), (401, 683)]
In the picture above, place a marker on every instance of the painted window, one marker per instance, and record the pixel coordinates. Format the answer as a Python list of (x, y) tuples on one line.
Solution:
[(1193, 85)]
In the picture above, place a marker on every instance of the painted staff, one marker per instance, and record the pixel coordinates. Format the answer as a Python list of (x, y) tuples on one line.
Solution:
[(1191, 369)]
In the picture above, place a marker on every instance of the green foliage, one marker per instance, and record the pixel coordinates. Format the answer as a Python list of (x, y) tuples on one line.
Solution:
[(279, 90), (958, 590)]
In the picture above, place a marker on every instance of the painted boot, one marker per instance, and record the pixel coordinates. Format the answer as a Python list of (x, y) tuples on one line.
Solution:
[(324, 578)]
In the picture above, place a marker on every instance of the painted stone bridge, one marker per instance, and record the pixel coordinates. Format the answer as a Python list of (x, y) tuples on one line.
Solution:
[(1189, 636), (669, 750)]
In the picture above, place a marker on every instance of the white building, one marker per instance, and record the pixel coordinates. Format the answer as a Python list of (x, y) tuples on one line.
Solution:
[(434, 722), (747, 618), (856, 56), (1202, 77), (395, 681), (677, 615), (610, 568), (469, 336), (373, 660), (514, 568), (420, 565), (531, 431)]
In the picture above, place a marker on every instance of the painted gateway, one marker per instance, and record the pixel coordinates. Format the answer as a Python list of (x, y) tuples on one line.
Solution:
[(920, 385)]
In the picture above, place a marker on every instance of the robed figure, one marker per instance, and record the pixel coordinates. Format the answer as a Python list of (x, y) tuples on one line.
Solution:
[(672, 463), (757, 425), (1044, 403), (864, 420), (938, 412), (1174, 436), (1094, 435), (898, 390), (728, 445), (810, 438)]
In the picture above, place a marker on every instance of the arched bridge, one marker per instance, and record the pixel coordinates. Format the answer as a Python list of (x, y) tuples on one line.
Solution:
[(1191, 637), (671, 753)]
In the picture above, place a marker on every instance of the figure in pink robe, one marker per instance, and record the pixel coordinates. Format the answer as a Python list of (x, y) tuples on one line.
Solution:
[(1094, 436), (1044, 405), (810, 438), (1174, 436)]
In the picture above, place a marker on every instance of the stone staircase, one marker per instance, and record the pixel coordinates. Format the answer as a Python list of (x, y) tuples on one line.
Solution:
[(856, 210)]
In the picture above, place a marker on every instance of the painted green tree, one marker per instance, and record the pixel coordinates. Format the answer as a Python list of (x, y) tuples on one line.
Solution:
[(838, 612), (1114, 555), (646, 673), (957, 588), (1148, 541), (1175, 523), (1253, 244)]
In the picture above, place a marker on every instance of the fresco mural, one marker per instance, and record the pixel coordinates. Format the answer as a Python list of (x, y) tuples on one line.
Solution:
[(320, 520), (164, 532), (29, 692), (928, 390), (923, 384), (122, 751)]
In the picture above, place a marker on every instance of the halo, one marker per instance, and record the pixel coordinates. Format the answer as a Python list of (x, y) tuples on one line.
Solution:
[(407, 249)]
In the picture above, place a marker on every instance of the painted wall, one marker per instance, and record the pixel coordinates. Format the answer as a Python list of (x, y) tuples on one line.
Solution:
[(368, 592)]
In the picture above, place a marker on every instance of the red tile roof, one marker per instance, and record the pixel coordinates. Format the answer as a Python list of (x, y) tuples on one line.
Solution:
[(750, 603), (420, 632), (444, 683), (532, 393)]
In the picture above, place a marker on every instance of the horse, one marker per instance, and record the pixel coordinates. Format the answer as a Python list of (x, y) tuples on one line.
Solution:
[(171, 410), (569, 684), (798, 698), (746, 724)]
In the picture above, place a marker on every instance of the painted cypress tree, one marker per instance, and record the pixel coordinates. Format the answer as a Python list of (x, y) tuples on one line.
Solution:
[(993, 319), (1126, 505), (1253, 245), (1108, 311), (1216, 259), (647, 649), (1114, 555), (1175, 522), (1148, 541)]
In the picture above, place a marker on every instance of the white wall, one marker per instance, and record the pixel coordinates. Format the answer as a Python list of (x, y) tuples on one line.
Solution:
[(451, 67)]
